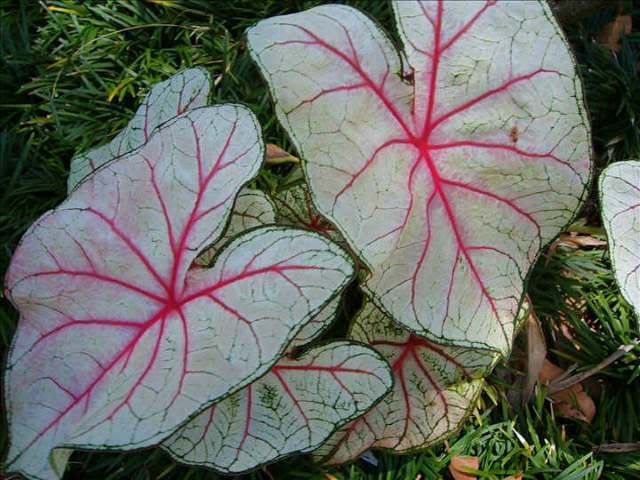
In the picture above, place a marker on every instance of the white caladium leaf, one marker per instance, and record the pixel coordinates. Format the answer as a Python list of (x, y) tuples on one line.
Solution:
[(186, 90), (295, 207), (253, 208), (435, 388), (293, 408), (448, 178), (620, 199), (120, 341)]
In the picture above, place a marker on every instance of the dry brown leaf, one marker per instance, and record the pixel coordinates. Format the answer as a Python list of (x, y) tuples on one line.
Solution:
[(575, 240), (277, 155), (612, 32), (572, 402), (536, 353), (460, 466), (514, 477)]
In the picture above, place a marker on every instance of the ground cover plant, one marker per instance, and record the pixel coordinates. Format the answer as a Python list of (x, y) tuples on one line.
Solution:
[(572, 289)]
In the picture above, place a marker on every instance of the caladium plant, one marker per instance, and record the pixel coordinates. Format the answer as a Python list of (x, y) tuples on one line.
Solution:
[(446, 177), (121, 339), (620, 204), (435, 388)]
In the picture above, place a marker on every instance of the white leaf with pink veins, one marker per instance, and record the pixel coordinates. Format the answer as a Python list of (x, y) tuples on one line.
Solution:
[(620, 199), (450, 177), (120, 341)]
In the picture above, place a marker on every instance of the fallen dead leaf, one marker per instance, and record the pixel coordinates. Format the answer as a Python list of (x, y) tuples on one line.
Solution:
[(536, 353), (618, 447), (612, 32), (576, 240), (277, 155), (460, 466), (514, 477), (572, 402)]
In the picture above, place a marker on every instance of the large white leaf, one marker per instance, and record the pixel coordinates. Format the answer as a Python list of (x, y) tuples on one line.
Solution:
[(185, 90), (120, 340), (435, 388), (294, 408), (620, 203), (449, 177)]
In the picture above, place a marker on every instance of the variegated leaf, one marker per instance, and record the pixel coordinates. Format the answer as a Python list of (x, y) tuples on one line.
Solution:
[(435, 388), (120, 340), (620, 203), (294, 408), (449, 177)]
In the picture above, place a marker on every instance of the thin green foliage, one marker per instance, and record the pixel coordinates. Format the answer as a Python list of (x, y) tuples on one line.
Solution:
[(72, 74)]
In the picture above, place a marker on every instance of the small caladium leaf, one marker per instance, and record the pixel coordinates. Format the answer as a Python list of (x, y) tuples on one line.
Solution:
[(435, 388), (446, 178), (293, 408), (253, 208), (186, 90), (295, 207), (120, 339), (620, 198)]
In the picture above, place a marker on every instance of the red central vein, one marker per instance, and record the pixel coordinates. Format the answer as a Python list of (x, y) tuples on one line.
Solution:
[(435, 64), (243, 276), (130, 346), (453, 221)]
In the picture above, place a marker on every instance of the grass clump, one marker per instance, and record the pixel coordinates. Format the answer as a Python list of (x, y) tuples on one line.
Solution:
[(72, 75)]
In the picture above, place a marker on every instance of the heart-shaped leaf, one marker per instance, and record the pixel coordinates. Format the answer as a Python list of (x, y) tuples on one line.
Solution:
[(446, 178), (294, 408), (185, 90), (620, 203), (435, 388), (119, 340)]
